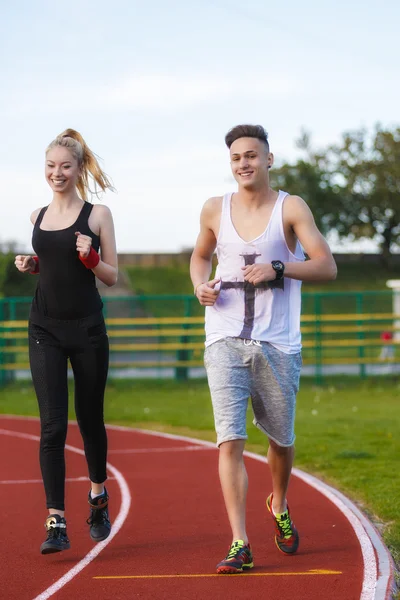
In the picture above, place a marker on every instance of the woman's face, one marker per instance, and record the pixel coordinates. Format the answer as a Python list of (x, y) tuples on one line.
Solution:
[(62, 169)]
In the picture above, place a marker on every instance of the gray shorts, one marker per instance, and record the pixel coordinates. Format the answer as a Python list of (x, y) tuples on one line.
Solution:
[(238, 369)]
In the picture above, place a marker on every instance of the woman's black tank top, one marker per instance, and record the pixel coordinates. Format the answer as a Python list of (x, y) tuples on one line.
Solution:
[(66, 288)]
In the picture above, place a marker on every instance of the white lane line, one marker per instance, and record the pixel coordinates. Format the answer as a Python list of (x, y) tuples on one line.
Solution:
[(367, 548), (162, 450), (378, 577), (379, 585), (117, 524)]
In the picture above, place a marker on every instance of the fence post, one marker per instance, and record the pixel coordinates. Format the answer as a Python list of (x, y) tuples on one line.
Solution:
[(10, 375), (318, 340), (181, 373), (2, 343), (394, 284), (361, 335)]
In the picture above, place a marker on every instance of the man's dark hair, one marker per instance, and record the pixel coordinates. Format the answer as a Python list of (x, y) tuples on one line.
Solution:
[(253, 131)]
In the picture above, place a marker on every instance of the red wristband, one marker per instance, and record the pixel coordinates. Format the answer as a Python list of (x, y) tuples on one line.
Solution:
[(92, 259), (36, 269)]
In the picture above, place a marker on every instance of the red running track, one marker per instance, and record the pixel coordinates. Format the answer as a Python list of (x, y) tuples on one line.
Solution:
[(170, 528)]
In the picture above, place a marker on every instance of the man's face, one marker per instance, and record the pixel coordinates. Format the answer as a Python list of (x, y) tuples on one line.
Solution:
[(250, 160)]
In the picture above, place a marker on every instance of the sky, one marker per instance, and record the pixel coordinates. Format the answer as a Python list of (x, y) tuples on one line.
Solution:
[(153, 87)]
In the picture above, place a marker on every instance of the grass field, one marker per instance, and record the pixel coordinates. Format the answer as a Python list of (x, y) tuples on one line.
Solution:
[(348, 432), (352, 277)]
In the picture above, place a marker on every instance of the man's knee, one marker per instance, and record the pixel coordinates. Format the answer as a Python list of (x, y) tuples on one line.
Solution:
[(281, 450), (232, 448)]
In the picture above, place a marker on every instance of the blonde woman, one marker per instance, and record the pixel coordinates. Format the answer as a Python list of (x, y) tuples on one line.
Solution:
[(66, 322)]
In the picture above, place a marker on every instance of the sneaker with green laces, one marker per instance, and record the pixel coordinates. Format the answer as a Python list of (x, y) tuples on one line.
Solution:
[(238, 559), (286, 534)]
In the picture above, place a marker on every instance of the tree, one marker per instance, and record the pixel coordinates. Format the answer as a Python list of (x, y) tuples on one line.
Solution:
[(370, 168), (12, 282), (352, 188), (311, 181)]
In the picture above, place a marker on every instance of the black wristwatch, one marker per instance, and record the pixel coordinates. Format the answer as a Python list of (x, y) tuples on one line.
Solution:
[(279, 268)]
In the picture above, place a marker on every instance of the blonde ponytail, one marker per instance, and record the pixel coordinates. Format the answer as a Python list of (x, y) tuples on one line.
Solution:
[(87, 160)]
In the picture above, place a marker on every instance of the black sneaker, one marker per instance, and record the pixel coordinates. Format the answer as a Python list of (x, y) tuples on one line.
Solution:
[(99, 520), (57, 538)]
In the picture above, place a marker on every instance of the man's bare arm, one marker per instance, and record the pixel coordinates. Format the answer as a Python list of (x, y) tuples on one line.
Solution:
[(321, 265), (201, 259), (299, 223)]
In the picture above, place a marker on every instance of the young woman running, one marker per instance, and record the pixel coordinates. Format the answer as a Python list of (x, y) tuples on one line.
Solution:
[(66, 322)]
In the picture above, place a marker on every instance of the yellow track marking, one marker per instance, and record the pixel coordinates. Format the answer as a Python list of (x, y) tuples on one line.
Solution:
[(279, 574)]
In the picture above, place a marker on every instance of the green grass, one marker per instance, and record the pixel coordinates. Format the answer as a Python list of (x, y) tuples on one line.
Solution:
[(357, 276), (174, 280), (352, 278), (160, 280), (348, 432)]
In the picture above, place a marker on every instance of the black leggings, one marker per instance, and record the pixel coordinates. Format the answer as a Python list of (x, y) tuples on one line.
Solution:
[(85, 343)]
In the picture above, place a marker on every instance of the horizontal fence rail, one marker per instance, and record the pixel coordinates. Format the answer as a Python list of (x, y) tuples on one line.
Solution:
[(167, 332)]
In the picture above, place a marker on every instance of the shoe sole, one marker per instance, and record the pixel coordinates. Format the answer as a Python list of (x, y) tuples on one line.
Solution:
[(53, 549), (233, 570), (100, 539)]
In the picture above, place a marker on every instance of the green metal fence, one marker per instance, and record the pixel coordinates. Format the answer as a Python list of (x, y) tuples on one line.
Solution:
[(341, 333)]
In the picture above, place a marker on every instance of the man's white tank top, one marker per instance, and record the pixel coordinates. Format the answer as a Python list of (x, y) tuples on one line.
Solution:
[(270, 311)]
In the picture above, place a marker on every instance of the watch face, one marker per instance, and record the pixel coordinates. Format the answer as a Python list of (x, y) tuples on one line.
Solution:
[(279, 268)]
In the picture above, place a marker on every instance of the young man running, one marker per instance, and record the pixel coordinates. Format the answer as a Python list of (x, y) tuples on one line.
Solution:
[(253, 338)]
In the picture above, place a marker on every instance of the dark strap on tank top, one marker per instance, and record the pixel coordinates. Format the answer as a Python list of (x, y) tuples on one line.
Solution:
[(82, 218), (40, 216), (84, 215), (66, 289)]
